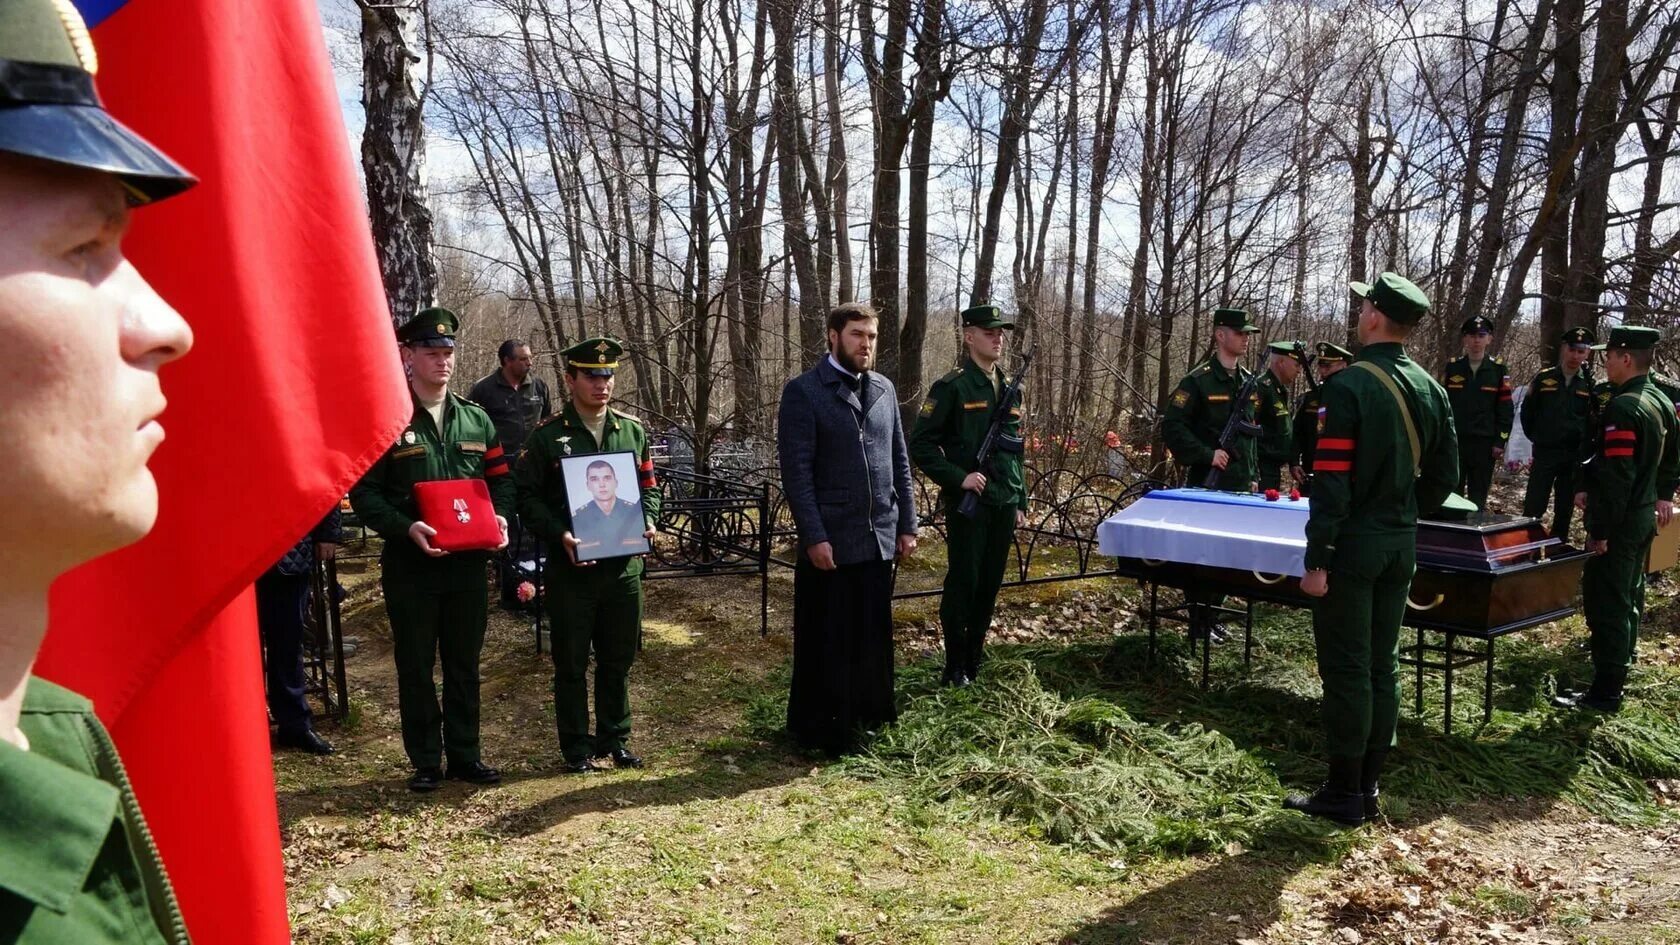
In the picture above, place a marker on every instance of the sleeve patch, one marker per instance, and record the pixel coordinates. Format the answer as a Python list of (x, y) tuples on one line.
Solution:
[(928, 406), (1180, 397)]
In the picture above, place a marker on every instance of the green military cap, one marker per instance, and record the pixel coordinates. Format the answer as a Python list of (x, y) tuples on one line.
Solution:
[(597, 357), (49, 109), (987, 315), (1579, 335), (1630, 338), (1236, 318), (1395, 296), (1289, 349), (1476, 325), (1330, 352), (431, 328)]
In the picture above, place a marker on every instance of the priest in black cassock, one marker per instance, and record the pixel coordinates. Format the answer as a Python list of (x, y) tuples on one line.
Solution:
[(846, 475)]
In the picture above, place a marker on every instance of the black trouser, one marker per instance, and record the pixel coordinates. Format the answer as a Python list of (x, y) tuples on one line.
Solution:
[(282, 602), (1475, 469), (1552, 478)]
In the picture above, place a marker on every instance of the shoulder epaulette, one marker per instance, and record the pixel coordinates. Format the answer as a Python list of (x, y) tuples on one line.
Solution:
[(950, 377), (543, 423), (624, 416), (1199, 369)]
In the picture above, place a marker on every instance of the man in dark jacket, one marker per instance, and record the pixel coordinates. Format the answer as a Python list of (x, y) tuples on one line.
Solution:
[(282, 603), (516, 400), (846, 473)]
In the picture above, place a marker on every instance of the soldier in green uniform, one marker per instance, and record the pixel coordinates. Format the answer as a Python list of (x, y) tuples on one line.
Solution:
[(592, 605), (944, 445), (436, 600), (1555, 412), (1192, 420), (85, 338), (1627, 490), (1479, 388), (1283, 366), (1386, 452), (1331, 359), (1196, 412)]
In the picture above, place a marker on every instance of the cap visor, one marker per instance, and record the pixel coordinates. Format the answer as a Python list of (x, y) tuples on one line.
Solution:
[(434, 343), (597, 371), (1601, 347), (1361, 289), (88, 137), (1251, 329)]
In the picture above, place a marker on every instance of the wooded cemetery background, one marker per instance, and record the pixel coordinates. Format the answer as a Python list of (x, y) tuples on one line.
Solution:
[(705, 178)]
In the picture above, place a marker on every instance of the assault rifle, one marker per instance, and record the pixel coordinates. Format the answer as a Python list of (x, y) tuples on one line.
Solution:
[(1235, 425), (996, 440)]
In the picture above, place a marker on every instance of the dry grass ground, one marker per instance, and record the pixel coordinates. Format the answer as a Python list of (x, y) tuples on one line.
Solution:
[(729, 836)]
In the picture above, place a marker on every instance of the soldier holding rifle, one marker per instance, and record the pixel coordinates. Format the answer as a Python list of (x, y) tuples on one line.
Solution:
[(984, 504)]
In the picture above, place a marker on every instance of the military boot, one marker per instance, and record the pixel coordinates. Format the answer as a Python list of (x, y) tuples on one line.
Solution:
[(1339, 798), (1372, 770), (1604, 695)]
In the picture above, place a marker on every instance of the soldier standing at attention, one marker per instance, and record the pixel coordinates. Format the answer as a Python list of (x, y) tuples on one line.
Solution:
[(1628, 490), (1194, 417), (1331, 359), (436, 600), (86, 338), (1555, 413), (1283, 366), (1386, 452), (592, 605), (1479, 388), (943, 445), (1196, 412)]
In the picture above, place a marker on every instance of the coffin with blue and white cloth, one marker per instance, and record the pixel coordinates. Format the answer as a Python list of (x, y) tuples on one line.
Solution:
[(1486, 576)]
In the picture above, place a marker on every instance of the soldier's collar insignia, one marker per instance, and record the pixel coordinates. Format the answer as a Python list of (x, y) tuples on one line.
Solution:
[(408, 437)]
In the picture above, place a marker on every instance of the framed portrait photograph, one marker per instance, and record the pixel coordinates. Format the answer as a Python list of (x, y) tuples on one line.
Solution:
[(606, 505)]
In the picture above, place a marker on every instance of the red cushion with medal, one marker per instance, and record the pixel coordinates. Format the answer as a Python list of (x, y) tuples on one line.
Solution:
[(461, 512)]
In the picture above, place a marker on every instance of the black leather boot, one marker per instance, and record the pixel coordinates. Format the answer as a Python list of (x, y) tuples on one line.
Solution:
[(1372, 770), (1604, 695), (1339, 798)]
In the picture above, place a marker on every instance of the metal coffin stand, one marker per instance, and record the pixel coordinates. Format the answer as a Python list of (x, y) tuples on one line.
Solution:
[(1476, 581)]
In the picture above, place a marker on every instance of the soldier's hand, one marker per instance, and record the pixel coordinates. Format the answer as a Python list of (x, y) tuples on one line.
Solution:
[(1298, 474), (1221, 459), (1601, 546), (325, 551), (975, 482), (821, 555), (501, 523), (1665, 512), (1581, 501), (1316, 583), (1020, 518), (421, 534), (1498, 453), (906, 545), (571, 543)]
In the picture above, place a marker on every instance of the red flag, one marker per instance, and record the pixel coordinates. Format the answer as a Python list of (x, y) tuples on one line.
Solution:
[(290, 392)]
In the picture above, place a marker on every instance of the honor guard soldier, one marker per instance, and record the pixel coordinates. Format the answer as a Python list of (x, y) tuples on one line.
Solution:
[(436, 600), (1628, 490), (1283, 365), (1479, 388), (1331, 359), (86, 337), (1385, 453), (1196, 412), (1194, 417), (592, 605), (944, 444), (1556, 412)]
